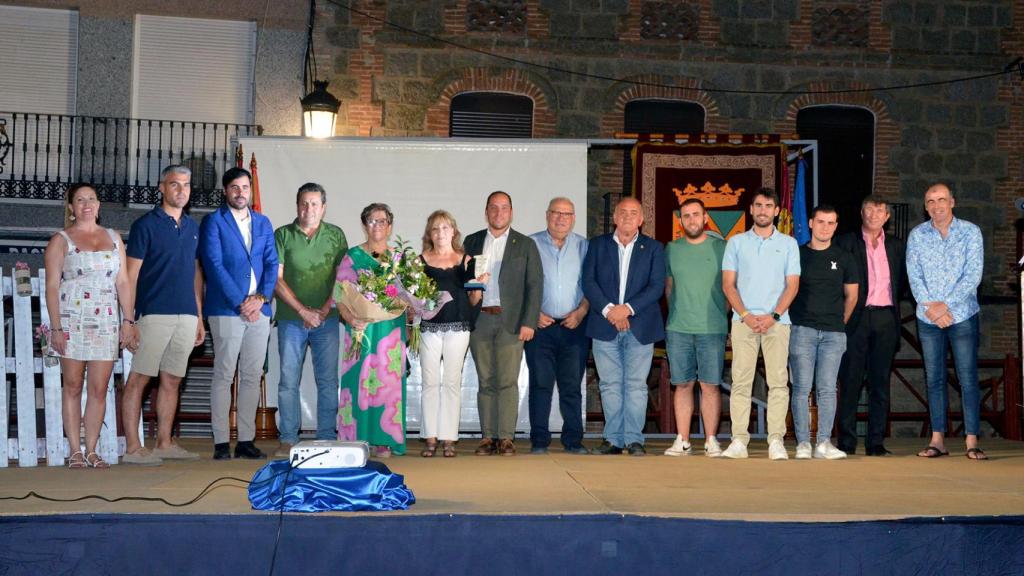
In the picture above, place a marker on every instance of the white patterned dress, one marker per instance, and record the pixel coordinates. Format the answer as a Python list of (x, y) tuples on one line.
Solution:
[(89, 313)]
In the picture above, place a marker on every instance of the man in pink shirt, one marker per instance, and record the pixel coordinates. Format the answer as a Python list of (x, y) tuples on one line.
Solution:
[(873, 331)]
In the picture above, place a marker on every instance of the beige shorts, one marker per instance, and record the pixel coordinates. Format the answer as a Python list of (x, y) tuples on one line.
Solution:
[(165, 343)]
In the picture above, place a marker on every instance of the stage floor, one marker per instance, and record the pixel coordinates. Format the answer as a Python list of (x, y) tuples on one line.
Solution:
[(858, 488)]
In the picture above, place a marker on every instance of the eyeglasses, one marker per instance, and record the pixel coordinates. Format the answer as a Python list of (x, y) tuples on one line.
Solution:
[(558, 214), (378, 222)]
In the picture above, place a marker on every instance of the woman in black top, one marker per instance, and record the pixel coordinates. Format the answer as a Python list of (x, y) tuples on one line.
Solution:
[(446, 335)]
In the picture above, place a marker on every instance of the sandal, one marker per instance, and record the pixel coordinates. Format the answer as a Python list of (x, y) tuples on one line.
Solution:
[(430, 450), (976, 454), (94, 460), (77, 460), (932, 452), (449, 449)]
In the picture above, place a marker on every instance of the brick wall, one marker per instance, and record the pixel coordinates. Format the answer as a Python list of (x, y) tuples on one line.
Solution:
[(969, 135)]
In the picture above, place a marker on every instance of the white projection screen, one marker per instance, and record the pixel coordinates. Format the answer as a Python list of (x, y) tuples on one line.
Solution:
[(416, 177)]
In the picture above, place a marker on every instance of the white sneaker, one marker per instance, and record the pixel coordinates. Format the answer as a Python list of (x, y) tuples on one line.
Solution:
[(711, 447), (804, 451), (827, 451), (735, 450), (777, 450), (679, 448)]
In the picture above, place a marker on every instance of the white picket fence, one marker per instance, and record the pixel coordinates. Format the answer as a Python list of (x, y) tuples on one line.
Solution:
[(28, 448)]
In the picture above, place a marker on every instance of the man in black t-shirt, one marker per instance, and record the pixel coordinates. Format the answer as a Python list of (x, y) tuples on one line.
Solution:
[(827, 296)]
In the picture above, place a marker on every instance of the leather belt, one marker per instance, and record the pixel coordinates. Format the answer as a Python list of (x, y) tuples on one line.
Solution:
[(878, 307), (495, 310)]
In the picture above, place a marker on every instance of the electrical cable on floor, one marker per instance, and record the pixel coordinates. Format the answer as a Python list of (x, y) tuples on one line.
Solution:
[(201, 495), (280, 519)]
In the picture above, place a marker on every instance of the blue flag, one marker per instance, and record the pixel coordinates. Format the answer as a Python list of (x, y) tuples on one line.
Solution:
[(800, 230)]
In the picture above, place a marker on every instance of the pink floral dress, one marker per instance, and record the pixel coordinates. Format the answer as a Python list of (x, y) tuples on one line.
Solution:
[(371, 404)]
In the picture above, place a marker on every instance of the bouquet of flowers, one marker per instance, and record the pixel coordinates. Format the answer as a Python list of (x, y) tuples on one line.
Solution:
[(386, 292), (417, 290)]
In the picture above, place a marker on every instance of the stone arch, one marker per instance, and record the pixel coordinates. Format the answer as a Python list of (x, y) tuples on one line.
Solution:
[(887, 135), (685, 88), (508, 80), (642, 87)]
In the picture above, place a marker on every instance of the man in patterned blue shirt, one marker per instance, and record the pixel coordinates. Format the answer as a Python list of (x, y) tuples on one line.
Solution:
[(944, 265)]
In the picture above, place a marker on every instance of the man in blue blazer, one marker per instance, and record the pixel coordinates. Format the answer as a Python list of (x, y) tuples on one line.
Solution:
[(236, 248), (624, 279)]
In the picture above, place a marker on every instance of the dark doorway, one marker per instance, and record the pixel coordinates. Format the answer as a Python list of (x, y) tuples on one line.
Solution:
[(491, 115), (846, 158), (658, 117)]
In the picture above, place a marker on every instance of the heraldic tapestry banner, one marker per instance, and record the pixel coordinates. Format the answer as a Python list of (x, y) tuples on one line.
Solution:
[(723, 176)]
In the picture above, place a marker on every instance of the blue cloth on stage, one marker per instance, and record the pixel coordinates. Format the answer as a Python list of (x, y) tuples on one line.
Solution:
[(371, 488)]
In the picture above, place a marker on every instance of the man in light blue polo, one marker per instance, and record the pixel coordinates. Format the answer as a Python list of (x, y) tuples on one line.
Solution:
[(760, 278), (559, 348)]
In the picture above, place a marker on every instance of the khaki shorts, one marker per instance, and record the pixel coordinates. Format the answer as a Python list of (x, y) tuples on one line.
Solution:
[(165, 343)]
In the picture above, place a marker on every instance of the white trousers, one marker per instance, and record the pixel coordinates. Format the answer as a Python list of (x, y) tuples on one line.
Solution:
[(442, 356)]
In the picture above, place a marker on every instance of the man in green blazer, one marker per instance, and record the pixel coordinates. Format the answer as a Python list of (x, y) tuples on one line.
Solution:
[(508, 315)]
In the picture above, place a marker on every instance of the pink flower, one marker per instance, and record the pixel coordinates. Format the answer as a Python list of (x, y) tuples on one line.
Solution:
[(391, 291)]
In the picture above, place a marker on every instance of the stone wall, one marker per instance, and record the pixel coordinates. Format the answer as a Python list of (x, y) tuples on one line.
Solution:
[(395, 82), (589, 58)]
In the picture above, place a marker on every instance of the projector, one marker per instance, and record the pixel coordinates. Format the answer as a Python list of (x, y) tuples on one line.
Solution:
[(329, 454)]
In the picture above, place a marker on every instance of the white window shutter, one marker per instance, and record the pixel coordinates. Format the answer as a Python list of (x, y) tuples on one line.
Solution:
[(38, 60), (193, 69)]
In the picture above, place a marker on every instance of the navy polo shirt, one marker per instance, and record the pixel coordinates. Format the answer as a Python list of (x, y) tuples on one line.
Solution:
[(168, 252)]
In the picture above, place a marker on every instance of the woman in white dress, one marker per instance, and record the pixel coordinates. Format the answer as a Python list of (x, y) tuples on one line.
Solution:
[(92, 311)]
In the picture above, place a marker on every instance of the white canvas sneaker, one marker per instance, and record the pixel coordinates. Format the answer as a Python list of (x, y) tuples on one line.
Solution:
[(679, 448), (711, 447), (777, 450), (804, 451), (735, 450), (827, 451)]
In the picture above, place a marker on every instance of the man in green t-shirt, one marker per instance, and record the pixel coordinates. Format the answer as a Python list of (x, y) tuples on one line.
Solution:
[(697, 326), (309, 251)]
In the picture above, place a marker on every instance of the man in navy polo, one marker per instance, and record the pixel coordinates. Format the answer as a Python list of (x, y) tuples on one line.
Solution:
[(240, 264), (167, 282)]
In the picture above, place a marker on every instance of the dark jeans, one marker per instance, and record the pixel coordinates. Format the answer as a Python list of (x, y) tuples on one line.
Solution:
[(557, 355), (869, 348), (962, 338)]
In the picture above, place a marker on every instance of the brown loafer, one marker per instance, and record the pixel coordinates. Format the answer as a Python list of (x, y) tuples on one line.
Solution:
[(486, 447), (506, 447)]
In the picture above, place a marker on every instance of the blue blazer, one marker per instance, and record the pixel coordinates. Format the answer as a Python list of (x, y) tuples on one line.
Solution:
[(645, 286), (227, 264)]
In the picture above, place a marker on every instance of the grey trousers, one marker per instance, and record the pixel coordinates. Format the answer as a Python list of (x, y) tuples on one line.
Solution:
[(243, 345), (497, 355)]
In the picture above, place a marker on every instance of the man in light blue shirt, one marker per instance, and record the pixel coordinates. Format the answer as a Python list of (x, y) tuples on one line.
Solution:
[(760, 278), (558, 351), (944, 264)]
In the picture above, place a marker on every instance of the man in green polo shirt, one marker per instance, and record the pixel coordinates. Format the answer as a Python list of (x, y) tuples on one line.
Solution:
[(697, 326), (309, 251)]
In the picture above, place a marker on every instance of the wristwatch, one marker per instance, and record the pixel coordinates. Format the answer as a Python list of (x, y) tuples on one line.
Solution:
[(776, 316)]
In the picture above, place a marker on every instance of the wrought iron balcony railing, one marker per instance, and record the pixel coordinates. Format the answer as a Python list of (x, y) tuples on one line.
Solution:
[(41, 154)]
